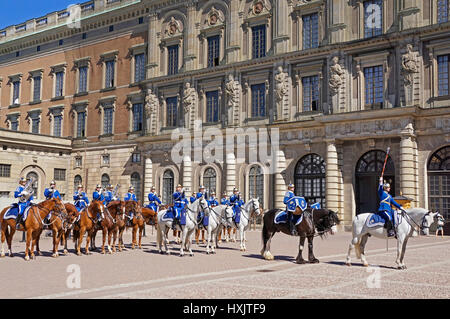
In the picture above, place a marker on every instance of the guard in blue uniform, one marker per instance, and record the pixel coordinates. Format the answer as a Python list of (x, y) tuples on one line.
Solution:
[(80, 198), (108, 195), (385, 209), (212, 200), (236, 202), (224, 200), (98, 195), (287, 197), (130, 196), (52, 192), (153, 200), (179, 205), (194, 197), (24, 200)]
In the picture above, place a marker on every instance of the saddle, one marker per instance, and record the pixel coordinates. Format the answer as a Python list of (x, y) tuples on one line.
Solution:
[(282, 218), (375, 220)]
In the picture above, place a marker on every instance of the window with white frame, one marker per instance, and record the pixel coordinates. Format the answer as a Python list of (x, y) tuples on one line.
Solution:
[(256, 182), (82, 68), (58, 72), (259, 41), (36, 85), (374, 85), (310, 32), (56, 116), (310, 93), (35, 119), (5, 170), (443, 73), (80, 119), (443, 10), (258, 102), (59, 174), (212, 106), (213, 51), (15, 81), (139, 67), (171, 111), (108, 116), (13, 121), (136, 158), (138, 117), (109, 69)]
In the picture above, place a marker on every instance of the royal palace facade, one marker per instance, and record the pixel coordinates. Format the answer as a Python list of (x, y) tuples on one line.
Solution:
[(92, 94)]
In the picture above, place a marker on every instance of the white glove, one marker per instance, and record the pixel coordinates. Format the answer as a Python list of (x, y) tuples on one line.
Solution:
[(381, 180)]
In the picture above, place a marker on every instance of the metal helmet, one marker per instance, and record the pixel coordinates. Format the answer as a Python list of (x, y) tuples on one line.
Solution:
[(235, 189), (98, 186), (153, 188), (131, 188), (109, 186), (386, 185), (52, 183), (291, 186), (79, 186)]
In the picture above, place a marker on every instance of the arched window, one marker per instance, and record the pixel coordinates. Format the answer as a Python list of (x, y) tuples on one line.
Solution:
[(35, 184), (168, 187), (309, 179), (136, 183), (209, 180), (368, 172), (256, 182), (439, 182), (105, 180), (77, 181)]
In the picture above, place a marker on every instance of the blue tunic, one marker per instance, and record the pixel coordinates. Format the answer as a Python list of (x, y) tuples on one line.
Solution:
[(213, 202), (287, 198), (224, 201), (154, 202), (130, 197), (51, 193), (108, 197), (179, 204), (386, 201), (22, 205), (236, 202), (98, 196), (81, 200), (197, 196)]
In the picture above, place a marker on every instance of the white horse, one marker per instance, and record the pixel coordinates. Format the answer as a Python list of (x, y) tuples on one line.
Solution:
[(219, 217), (248, 211), (408, 224), (164, 225)]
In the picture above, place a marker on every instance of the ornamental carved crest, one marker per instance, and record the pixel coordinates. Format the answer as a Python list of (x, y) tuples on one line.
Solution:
[(174, 27), (214, 17), (258, 7)]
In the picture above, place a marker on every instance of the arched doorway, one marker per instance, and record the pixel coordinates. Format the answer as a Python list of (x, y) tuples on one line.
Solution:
[(310, 180), (168, 187), (136, 183), (77, 181), (256, 183), (367, 173), (439, 182), (105, 181), (210, 180)]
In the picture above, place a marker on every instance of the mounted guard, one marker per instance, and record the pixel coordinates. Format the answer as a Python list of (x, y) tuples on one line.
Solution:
[(237, 203), (80, 198), (108, 194), (179, 205), (224, 200), (385, 209), (24, 193), (130, 196), (289, 209), (153, 200), (97, 195), (52, 192)]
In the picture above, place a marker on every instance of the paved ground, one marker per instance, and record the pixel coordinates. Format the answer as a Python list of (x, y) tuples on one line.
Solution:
[(233, 274)]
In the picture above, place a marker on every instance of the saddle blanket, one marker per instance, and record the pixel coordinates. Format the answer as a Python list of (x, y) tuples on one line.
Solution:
[(281, 218), (169, 216), (14, 211), (316, 206), (297, 201), (375, 220)]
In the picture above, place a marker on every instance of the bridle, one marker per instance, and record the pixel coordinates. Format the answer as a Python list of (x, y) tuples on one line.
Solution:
[(423, 220)]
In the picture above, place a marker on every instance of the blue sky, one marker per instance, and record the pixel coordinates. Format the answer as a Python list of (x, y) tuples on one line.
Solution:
[(18, 11)]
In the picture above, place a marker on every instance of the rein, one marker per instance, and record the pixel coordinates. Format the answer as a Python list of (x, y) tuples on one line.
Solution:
[(409, 218)]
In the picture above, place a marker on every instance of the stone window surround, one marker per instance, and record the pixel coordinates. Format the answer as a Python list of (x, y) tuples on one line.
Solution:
[(304, 70), (369, 60), (167, 42), (135, 98), (135, 50), (32, 75), (203, 89), (61, 67), (266, 182), (360, 5), (207, 32), (13, 116), (14, 78), (34, 114), (106, 57), (436, 49), (160, 177), (218, 173), (83, 62), (297, 22), (107, 102), (55, 111), (263, 19), (105, 154), (77, 107), (163, 95), (248, 81)]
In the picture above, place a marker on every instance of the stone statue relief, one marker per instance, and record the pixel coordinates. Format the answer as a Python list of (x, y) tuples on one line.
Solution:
[(189, 97), (281, 85), (151, 103), (410, 65), (232, 91), (336, 75)]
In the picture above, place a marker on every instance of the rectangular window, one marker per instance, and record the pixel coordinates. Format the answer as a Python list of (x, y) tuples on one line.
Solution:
[(172, 59), (16, 92), (374, 85), (373, 18), (82, 80), (59, 174), (5, 170), (14, 124), (37, 88), (105, 159), (57, 121), (139, 67), (258, 100), (259, 41), (310, 86), (59, 84), (443, 9), (108, 120), (443, 72), (109, 75), (213, 51), (78, 161), (81, 124), (35, 125), (212, 107), (171, 118), (310, 31), (136, 158), (138, 110)]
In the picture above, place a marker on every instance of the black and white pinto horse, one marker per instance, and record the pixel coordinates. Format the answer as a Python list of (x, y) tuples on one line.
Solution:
[(164, 225), (314, 222), (218, 217), (249, 210), (408, 225)]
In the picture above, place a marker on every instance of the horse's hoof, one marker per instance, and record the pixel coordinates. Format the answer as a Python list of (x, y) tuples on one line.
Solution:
[(366, 265), (314, 261), (66, 252), (301, 261), (79, 254), (27, 258), (349, 264), (207, 252), (2, 255)]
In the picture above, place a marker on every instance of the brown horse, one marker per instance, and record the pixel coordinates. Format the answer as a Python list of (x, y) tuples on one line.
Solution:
[(33, 225), (85, 224), (150, 216), (107, 226), (137, 223), (69, 223), (117, 211)]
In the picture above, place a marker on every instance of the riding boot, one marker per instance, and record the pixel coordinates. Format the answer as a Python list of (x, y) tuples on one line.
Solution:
[(390, 229), (291, 224), (174, 224), (18, 220)]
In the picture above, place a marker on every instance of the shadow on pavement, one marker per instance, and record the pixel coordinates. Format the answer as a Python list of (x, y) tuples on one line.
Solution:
[(342, 263)]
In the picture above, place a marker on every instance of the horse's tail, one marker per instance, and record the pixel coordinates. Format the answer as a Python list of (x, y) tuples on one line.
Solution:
[(75, 235), (265, 234)]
